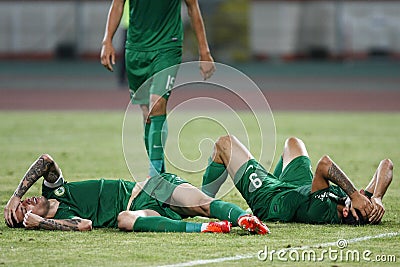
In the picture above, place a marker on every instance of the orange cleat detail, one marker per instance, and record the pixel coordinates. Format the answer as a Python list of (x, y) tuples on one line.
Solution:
[(218, 227), (254, 225)]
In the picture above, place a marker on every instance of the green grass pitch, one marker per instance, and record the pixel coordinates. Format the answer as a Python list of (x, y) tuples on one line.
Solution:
[(88, 145)]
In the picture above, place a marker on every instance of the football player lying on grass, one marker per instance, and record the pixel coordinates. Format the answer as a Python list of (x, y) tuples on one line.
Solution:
[(292, 193), (158, 205)]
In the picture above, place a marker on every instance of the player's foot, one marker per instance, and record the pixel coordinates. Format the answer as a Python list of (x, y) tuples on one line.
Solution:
[(217, 227), (252, 224)]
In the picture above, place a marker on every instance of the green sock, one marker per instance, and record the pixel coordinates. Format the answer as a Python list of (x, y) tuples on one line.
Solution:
[(146, 136), (157, 135), (278, 168), (226, 211), (213, 178), (163, 224), (193, 227)]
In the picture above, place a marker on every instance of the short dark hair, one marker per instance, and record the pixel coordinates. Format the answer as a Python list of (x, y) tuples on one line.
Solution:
[(351, 220), (15, 223)]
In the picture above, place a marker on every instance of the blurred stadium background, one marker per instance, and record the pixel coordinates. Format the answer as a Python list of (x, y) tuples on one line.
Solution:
[(238, 30), (308, 48), (304, 55)]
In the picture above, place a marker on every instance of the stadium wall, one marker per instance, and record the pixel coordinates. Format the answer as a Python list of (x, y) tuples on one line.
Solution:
[(324, 28), (288, 29)]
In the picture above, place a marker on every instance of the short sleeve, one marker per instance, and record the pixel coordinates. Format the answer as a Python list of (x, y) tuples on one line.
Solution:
[(48, 188), (64, 212), (322, 209)]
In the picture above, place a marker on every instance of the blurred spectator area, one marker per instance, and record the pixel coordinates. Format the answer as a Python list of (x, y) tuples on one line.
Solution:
[(237, 30)]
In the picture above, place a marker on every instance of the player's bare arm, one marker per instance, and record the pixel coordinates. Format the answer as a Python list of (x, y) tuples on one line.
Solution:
[(326, 171), (378, 187), (44, 166), (207, 66), (33, 221), (107, 55)]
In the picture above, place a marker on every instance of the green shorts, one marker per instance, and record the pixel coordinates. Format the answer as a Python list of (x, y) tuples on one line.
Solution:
[(151, 72), (298, 172), (260, 188), (156, 193)]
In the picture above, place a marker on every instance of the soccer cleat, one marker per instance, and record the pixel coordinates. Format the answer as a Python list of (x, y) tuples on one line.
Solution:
[(218, 227), (252, 224)]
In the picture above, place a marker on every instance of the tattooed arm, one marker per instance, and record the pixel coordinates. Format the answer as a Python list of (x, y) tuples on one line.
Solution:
[(44, 166), (327, 171), (33, 221)]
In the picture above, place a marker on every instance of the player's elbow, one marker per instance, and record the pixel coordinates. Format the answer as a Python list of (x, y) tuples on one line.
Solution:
[(324, 164), (191, 5), (386, 164), (126, 220), (85, 225), (190, 12), (47, 158), (325, 161)]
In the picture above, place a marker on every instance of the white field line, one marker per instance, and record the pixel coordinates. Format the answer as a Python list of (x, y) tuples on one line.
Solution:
[(248, 256)]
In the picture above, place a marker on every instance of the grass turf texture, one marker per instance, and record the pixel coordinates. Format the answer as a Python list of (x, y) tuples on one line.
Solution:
[(88, 145)]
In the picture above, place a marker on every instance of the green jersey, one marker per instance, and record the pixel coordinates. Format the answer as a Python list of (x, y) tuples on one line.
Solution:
[(287, 197), (300, 205), (154, 24), (97, 200), (102, 200), (320, 206)]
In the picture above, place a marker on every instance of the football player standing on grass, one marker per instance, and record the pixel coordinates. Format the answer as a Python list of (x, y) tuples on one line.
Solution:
[(292, 193), (157, 204), (154, 44)]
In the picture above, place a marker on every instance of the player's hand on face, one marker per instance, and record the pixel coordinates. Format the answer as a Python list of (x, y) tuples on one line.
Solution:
[(107, 56), (378, 210), (353, 212), (10, 208), (361, 203), (207, 66), (31, 221)]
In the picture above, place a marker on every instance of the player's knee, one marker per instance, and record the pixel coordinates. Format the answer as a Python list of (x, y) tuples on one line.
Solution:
[(126, 220), (85, 225), (294, 141), (225, 142), (158, 106), (145, 113), (205, 205), (146, 117), (204, 209)]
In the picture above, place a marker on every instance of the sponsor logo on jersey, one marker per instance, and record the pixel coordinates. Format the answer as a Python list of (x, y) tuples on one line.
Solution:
[(59, 191), (323, 196)]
